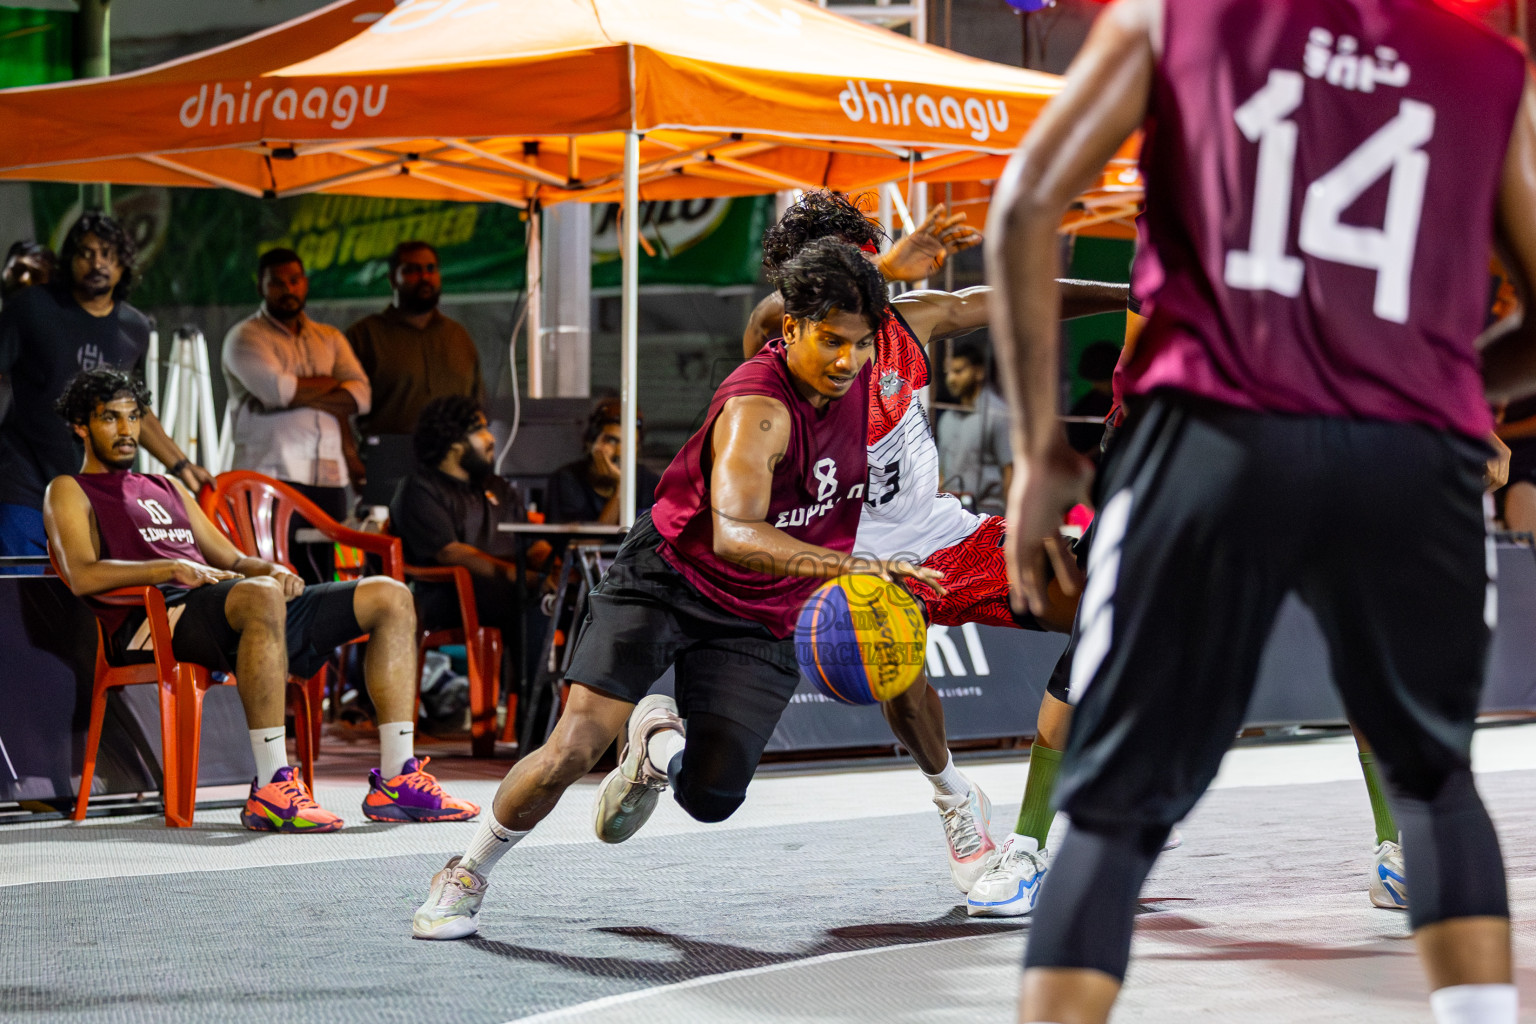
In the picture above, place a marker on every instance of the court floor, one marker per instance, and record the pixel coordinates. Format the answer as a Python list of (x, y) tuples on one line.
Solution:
[(825, 899)]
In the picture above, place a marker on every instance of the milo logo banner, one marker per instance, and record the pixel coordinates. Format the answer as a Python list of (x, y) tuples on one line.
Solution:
[(198, 247)]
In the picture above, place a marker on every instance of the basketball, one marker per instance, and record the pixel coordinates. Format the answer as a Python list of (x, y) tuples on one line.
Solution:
[(861, 640)]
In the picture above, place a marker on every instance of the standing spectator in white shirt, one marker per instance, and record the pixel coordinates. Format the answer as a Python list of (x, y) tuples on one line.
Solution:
[(975, 456), (293, 385)]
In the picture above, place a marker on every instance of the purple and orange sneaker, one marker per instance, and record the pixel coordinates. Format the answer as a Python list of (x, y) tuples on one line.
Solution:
[(285, 805), (413, 795)]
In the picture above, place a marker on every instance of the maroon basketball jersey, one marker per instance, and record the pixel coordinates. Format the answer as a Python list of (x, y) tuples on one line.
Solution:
[(140, 518), (1321, 178), (818, 490)]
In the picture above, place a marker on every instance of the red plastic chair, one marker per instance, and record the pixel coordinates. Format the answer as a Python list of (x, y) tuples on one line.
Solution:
[(254, 512), (181, 686), (483, 647)]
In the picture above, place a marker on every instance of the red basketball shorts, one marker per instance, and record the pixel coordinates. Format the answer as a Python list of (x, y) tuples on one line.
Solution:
[(975, 576)]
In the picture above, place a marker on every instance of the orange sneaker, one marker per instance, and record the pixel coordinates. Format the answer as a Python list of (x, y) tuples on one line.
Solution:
[(285, 805), (413, 795)]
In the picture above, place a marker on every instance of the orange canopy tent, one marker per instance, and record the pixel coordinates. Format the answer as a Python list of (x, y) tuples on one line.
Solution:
[(507, 100), (516, 100)]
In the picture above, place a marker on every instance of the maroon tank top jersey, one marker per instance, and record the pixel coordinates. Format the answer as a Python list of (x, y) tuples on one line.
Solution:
[(818, 490), (140, 518), (1321, 178)]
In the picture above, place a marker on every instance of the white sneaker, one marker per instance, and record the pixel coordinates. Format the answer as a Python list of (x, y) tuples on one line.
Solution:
[(1174, 840), (1389, 882), (628, 795), (1011, 885), (452, 910), (965, 829)]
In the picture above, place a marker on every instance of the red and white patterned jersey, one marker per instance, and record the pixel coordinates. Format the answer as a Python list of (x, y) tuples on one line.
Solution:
[(904, 514)]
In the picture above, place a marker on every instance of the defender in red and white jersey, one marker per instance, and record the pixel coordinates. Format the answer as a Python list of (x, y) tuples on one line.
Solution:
[(905, 515), (1325, 179)]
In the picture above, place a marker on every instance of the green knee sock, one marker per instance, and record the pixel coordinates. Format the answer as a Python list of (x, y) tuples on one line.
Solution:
[(1037, 813), (1386, 828)]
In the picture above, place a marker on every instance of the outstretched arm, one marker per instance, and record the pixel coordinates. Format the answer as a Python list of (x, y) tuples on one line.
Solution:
[(1103, 101), (748, 440), (934, 315)]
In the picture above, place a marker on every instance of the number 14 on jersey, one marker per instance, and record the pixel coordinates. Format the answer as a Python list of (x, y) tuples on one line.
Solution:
[(1396, 149)]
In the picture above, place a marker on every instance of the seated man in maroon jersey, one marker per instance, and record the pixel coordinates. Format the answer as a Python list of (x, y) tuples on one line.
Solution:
[(706, 584), (110, 527)]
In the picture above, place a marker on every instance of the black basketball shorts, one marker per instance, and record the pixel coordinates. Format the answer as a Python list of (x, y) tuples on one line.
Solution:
[(320, 620), (644, 617), (1208, 515)]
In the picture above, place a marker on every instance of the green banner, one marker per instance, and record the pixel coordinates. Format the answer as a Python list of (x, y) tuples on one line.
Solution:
[(36, 47), (199, 246)]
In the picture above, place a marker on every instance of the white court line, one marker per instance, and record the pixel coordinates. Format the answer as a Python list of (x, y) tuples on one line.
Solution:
[(624, 998), (135, 846)]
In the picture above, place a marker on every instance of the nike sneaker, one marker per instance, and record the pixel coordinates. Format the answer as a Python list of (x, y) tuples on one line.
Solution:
[(1389, 882), (452, 910), (629, 793), (413, 795), (965, 829), (1011, 885), (286, 805)]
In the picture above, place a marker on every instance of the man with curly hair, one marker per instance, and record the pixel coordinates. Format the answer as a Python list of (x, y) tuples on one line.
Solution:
[(449, 512), (81, 321), (110, 527)]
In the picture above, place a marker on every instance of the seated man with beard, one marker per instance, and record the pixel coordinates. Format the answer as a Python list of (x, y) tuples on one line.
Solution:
[(447, 513), (109, 527)]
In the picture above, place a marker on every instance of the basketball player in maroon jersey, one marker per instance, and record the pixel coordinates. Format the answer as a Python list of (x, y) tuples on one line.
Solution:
[(109, 527), (758, 508), (1306, 412)]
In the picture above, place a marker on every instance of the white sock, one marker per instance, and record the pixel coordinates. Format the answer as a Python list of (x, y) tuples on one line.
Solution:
[(397, 744), (271, 752), (949, 782), (1475, 1004), (663, 746), (492, 839)]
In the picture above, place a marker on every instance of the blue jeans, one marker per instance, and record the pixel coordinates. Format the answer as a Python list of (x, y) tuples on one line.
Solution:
[(22, 533)]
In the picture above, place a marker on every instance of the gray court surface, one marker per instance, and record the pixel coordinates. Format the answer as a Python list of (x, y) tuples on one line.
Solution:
[(1260, 916)]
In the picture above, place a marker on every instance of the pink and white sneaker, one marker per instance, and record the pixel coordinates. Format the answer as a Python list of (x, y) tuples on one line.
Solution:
[(965, 828)]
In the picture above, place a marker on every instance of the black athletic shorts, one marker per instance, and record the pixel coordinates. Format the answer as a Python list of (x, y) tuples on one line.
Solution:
[(1208, 515), (320, 620), (644, 617)]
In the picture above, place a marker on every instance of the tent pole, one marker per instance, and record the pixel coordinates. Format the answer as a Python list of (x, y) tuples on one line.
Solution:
[(93, 59), (534, 298), (629, 336)]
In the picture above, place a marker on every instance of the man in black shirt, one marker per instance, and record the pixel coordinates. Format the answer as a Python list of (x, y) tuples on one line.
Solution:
[(447, 513), (47, 336), (587, 490)]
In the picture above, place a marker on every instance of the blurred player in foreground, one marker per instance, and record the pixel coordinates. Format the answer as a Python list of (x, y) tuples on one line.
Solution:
[(1306, 414)]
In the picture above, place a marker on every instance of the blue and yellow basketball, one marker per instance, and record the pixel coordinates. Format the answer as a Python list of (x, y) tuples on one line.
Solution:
[(861, 639)]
